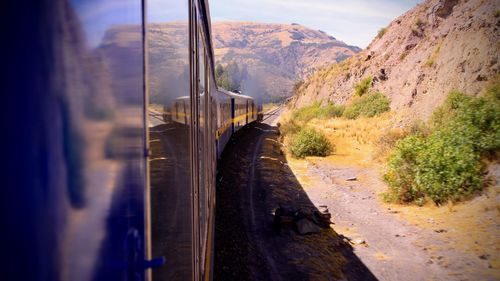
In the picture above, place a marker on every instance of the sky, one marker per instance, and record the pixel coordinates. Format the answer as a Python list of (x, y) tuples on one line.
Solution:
[(356, 22)]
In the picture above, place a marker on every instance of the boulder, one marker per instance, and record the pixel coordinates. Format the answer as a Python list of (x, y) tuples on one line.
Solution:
[(305, 226)]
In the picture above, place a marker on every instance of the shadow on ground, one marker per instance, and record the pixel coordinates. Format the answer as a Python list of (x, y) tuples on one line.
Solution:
[(247, 247)]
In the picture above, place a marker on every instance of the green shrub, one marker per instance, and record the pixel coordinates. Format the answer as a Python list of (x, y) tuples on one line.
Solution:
[(317, 111), (367, 106), (363, 86), (309, 142), (445, 165), (431, 61), (307, 113), (443, 114), (419, 22), (331, 110), (381, 32), (402, 170), (289, 128), (297, 86)]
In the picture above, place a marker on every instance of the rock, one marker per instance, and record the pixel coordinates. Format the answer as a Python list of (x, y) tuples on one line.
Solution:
[(383, 75), (440, 230), (358, 241), (351, 179), (481, 78), (305, 226), (322, 219), (484, 257), (445, 8), (283, 217)]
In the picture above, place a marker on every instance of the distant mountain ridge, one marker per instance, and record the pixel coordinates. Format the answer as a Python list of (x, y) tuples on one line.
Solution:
[(276, 55), (436, 47)]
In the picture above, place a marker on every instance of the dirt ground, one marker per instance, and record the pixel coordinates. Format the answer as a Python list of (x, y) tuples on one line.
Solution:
[(254, 179), (409, 242), (369, 240), (458, 241)]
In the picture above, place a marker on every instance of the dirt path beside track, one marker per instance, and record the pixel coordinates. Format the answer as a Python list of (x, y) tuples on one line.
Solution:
[(254, 179), (390, 245)]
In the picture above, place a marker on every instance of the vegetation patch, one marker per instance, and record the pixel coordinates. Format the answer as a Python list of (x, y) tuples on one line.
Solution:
[(230, 77), (445, 164), (432, 58), (419, 22), (289, 128), (317, 111), (297, 86), (367, 106), (363, 86), (381, 32), (403, 55), (310, 142)]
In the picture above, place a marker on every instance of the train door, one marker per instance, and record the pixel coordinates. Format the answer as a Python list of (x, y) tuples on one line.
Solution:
[(233, 112), (246, 112)]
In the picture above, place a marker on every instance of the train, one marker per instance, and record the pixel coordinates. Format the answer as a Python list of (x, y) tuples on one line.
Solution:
[(233, 111), (113, 129)]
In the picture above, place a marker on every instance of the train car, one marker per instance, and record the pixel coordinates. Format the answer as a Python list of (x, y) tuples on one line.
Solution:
[(199, 121), (234, 112), (94, 189)]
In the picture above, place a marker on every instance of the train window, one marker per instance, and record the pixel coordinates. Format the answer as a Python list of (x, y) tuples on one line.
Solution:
[(169, 139)]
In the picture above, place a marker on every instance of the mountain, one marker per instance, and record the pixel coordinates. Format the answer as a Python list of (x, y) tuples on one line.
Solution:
[(276, 55), (438, 46)]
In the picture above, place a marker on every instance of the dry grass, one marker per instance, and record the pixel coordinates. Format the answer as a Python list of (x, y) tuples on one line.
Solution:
[(269, 106), (356, 141), (470, 226)]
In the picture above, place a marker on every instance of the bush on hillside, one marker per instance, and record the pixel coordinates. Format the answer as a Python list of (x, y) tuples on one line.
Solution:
[(331, 110), (289, 128), (317, 111), (381, 32), (306, 113), (445, 165), (367, 106), (363, 86), (310, 142)]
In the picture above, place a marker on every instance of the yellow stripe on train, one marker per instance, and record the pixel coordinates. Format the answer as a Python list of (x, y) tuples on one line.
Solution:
[(224, 128)]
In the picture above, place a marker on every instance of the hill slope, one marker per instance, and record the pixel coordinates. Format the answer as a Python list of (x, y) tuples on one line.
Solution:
[(438, 46)]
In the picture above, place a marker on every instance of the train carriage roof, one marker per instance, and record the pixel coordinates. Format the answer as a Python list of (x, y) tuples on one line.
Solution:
[(234, 95)]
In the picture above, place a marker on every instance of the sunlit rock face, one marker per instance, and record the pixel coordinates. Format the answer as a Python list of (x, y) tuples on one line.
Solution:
[(436, 47)]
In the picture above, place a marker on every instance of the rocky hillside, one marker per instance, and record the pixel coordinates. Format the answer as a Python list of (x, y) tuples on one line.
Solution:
[(276, 55), (438, 46)]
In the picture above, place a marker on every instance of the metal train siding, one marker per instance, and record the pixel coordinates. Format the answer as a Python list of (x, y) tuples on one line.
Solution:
[(95, 187), (233, 111)]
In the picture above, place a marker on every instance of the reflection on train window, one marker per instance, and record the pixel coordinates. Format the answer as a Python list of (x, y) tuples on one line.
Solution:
[(169, 141)]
